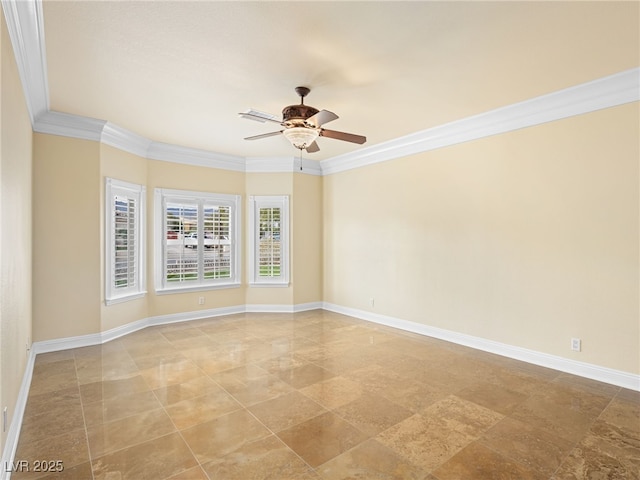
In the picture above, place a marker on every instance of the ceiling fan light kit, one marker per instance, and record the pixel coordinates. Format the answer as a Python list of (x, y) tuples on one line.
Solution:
[(302, 125), (301, 137)]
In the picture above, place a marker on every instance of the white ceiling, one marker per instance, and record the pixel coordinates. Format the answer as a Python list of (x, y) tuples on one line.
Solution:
[(179, 72)]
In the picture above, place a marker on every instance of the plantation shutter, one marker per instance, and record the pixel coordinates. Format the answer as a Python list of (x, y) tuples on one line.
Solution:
[(197, 233), (269, 250), (124, 240), (269, 221), (125, 254), (181, 220), (217, 240)]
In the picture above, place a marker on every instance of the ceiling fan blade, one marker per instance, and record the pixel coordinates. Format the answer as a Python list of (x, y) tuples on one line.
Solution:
[(313, 148), (322, 117), (347, 137), (263, 135), (260, 116)]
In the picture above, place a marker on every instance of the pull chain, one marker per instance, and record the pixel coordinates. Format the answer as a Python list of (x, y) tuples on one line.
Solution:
[(300, 159)]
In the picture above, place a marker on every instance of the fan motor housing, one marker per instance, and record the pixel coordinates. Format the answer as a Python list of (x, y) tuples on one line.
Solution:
[(297, 114)]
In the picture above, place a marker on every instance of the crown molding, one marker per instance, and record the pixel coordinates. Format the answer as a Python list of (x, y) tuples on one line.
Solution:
[(68, 125), (193, 156), (124, 139), (25, 25), (606, 92), (309, 167), (269, 164), (282, 165)]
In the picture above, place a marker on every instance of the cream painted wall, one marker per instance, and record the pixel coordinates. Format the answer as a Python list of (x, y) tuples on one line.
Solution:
[(306, 218), (121, 165), (66, 237), (527, 238), (202, 179), (268, 184), (15, 229)]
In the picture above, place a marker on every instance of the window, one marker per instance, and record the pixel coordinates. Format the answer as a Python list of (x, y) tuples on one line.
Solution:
[(197, 238), (269, 224), (124, 229)]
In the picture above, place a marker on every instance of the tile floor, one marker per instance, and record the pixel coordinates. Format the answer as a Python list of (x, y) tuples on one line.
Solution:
[(317, 395)]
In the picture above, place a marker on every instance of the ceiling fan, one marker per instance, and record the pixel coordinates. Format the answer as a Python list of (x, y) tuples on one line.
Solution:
[(302, 124)]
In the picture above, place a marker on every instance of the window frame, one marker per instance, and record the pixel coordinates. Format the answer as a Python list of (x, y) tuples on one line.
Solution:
[(114, 188), (256, 202), (162, 196)]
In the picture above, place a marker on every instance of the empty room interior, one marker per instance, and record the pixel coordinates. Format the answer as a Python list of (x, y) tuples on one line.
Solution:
[(320, 240)]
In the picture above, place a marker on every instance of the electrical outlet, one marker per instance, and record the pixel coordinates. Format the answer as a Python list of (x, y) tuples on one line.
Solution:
[(200, 300), (576, 344), (372, 302)]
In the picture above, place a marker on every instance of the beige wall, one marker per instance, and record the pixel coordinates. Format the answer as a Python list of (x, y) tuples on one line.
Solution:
[(15, 229), (121, 165), (306, 219), (66, 237), (527, 238)]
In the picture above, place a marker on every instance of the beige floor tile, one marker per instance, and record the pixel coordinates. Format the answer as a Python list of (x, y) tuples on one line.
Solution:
[(69, 448), (107, 389), (561, 411), (258, 389), (111, 367), (493, 397), (425, 442), (53, 376), (211, 440), (153, 460), (528, 445), (614, 441), (467, 417), (371, 461), (59, 401), (477, 462), (54, 357), (373, 414), (623, 414), (195, 473), (352, 400), (120, 407), (334, 393), (196, 410), (73, 473), (265, 458), (286, 410), (585, 463), (108, 437), (242, 375), (175, 371), (321, 438), (183, 391), (61, 418), (401, 389), (305, 375)]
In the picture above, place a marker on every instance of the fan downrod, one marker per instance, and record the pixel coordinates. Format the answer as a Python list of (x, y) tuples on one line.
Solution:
[(302, 92)]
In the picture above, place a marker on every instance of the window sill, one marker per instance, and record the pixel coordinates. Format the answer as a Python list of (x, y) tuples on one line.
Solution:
[(196, 288), (124, 298), (269, 284)]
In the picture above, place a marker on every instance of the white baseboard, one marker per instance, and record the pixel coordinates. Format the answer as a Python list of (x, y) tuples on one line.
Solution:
[(11, 443), (301, 307), (594, 372)]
